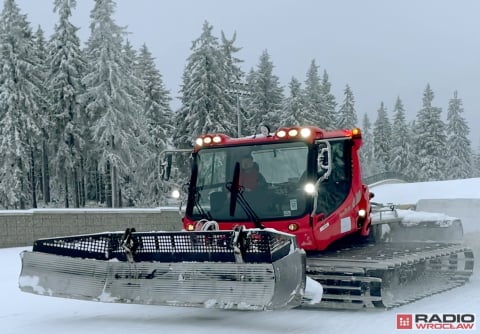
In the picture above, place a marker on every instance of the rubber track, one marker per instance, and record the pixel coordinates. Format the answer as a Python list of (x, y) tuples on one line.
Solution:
[(388, 275)]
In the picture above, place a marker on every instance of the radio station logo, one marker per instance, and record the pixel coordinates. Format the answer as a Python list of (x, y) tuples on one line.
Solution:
[(436, 321)]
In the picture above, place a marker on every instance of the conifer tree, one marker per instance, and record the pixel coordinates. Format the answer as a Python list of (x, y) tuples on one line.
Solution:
[(347, 115), (46, 123), (430, 140), (19, 110), (314, 112), (110, 105), (67, 66), (293, 105), (36, 155), (158, 123), (133, 185), (135, 87), (265, 101), (329, 103), (206, 105), (401, 150), (382, 140), (235, 87), (367, 150), (459, 152)]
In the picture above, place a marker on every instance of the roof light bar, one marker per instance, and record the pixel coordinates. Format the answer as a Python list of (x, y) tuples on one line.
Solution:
[(206, 140), (294, 133)]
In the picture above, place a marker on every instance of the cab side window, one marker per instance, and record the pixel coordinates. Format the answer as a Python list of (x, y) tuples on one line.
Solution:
[(334, 190)]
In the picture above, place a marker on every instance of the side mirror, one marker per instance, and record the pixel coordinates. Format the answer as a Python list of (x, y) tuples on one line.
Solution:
[(324, 160), (324, 164), (166, 161), (168, 168)]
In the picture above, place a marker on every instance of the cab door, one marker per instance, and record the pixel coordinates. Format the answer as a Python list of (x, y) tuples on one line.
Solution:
[(334, 203)]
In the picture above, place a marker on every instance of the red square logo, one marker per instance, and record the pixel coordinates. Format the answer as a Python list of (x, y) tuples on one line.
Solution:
[(404, 321)]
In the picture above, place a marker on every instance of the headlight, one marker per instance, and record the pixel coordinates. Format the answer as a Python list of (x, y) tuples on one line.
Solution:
[(362, 213), (305, 132), (293, 132), (309, 188)]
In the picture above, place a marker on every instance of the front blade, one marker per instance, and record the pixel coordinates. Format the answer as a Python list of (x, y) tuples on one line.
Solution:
[(171, 277)]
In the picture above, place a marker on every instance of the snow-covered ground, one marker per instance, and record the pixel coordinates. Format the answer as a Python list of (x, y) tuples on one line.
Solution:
[(25, 313)]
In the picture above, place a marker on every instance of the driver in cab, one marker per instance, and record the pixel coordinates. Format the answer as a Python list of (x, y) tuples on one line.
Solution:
[(250, 176)]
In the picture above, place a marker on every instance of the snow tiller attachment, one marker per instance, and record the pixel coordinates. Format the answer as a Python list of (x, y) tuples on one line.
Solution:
[(392, 224), (241, 269)]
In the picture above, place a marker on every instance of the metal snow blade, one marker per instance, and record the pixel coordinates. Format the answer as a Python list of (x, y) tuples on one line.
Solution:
[(243, 269)]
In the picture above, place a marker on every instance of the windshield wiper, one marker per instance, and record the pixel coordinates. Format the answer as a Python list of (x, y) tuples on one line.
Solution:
[(236, 195), (196, 201)]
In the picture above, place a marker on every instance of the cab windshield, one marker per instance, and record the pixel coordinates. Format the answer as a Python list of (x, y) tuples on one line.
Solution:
[(270, 178)]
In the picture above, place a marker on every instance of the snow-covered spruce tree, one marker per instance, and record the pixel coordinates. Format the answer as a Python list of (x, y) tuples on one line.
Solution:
[(382, 140), (347, 115), (43, 153), (158, 123), (430, 140), (265, 102), (366, 151), (329, 103), (401, 151), (37, 154), (232, 69), (206, 106), (131, 186), (19, 110), (293, 104), (459, 153), (135, 88), (250, 79), (313, 113), (66, 68), (110, 106), (236, 87)]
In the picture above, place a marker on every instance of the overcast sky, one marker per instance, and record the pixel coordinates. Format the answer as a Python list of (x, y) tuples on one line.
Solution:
[(381, 48)]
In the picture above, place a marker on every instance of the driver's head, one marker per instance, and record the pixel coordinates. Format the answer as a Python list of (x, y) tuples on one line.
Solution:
[(246, 162)]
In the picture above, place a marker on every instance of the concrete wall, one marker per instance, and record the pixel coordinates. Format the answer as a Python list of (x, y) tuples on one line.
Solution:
[(22, 227)]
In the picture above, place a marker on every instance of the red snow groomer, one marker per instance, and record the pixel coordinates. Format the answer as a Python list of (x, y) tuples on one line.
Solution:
[(263, 213)]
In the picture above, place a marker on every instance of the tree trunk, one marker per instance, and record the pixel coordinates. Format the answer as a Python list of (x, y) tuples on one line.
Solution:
[(67, 204), (108, 185), (120, 203), (113, 175), (82, 184), (46, 174), (33, 183), (76, 189), (22, 184), (98, 187)]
